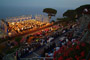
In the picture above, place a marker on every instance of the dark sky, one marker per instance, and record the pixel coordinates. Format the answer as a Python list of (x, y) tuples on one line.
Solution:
[(43, 3)]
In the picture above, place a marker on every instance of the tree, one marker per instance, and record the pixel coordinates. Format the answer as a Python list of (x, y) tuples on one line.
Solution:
[(50, 12), (53, 21), (80, 9), (70, 14), (63, 19)]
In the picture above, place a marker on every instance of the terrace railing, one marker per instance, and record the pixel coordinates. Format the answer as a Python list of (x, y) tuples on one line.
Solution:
[(83, 38), (87, 58), (37, 58), (10, 56)]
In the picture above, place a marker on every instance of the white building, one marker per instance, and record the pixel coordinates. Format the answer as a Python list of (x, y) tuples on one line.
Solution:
[(42, 18), (19, 18)]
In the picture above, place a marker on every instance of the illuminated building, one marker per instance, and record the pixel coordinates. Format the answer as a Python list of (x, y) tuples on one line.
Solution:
[(20, 24), (42, 18)]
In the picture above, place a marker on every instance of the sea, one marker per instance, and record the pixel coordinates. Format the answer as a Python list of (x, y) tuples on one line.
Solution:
[(19, 11)]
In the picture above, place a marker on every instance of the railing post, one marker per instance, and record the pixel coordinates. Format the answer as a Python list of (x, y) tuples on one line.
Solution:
[(84, 36), (44, 58), (87, 58)]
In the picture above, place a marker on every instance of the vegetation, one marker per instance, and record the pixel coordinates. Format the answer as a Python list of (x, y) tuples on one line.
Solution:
[(80, 9), (17, 39), (53, 21), (63, 19), (2, 40), (50, 12), (11, 50), (74, 52), (71, 14)]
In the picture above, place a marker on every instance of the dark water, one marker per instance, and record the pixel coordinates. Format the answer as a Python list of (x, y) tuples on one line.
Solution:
[(19, 11)]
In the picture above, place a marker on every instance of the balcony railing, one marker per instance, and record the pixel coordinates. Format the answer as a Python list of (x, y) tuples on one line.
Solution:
[(38, 58)]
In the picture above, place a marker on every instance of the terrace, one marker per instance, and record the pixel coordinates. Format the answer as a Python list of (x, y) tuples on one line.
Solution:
[(24, 26)]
